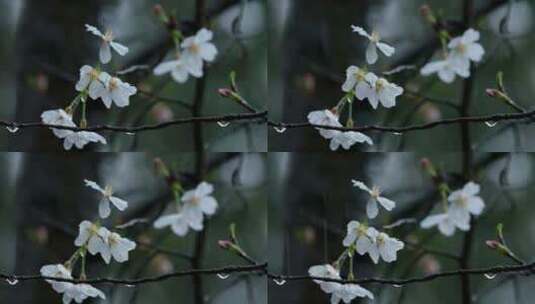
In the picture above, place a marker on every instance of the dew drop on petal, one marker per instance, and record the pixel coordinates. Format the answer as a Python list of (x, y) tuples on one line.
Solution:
[(490, 276), (279, 281), (223, 124), (223, 276), (491, 124), (12, 281), (12, 129), (280, 129)]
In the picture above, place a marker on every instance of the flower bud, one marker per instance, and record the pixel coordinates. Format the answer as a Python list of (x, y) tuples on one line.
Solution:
[(492, 244), (225, 92), (492, 93), (224, 244)]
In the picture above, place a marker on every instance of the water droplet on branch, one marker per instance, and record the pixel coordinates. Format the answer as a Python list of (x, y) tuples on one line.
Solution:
[(279, 129), (223, 124), (130, 285), (490, 276), (279, 281), (397, 133), (12, 129), (397, 285), (130, 133), (12, 281), (223, 276), (491, 124)]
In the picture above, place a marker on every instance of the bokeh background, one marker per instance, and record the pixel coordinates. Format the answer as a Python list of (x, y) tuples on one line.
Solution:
[(312, 200), (43, 44), (44, 199), (313, 45)]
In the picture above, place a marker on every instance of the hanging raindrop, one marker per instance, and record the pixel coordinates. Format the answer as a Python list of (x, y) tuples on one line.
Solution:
[(279, 281), (490, 276), (130, 133), (12, 281), (129, 285), (491, 124), (397, 285), (280, 129), (223, 124), (12, 129), (223, 276), (397, 133)]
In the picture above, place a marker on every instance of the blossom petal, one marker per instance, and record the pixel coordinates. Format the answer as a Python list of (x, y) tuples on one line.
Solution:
[(119, 48), (371, 208), (104, 52), (386, 49), (371, 53)]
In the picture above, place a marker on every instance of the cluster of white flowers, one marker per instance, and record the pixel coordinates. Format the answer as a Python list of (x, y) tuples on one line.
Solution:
[(99, 240), (70, 291), (94, 239), (194, 204), (461, 51), (70, 138), (461, 204), (96, 84), (189, 57), (368, 240), (339, 291), (364, 240), (338, 138), (363, 85)]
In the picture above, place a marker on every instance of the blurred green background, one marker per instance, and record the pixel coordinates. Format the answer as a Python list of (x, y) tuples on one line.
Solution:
[(314, 44), (313, 200)]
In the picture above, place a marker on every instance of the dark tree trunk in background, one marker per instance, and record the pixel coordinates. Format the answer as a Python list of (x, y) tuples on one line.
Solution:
[(51, 34), (318, 35), (50, 187)]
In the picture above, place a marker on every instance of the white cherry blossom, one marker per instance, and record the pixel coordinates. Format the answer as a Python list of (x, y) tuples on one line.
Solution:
[(388, 247), (198, 202), (194, 205), (90, 235), (107, 42), (116, 246), (464, 202), (381, 91), (348, 139), (81, 292), (179, 69), (339, 292), (372, 208), (178, 222), (325, 271), (374, 44), (357, 234), (57, 271), (325, 118), (445, 223), (356, 82), (81, 138), (115, 90), (349, 292), (446, 69), (91, 80), (107, 198), (466, 48), (60, 118), (199, 48)]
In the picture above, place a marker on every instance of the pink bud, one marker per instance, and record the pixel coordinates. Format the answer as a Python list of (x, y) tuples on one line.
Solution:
[(492, 244), (492, 92), (225, 244), (224, 92)]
